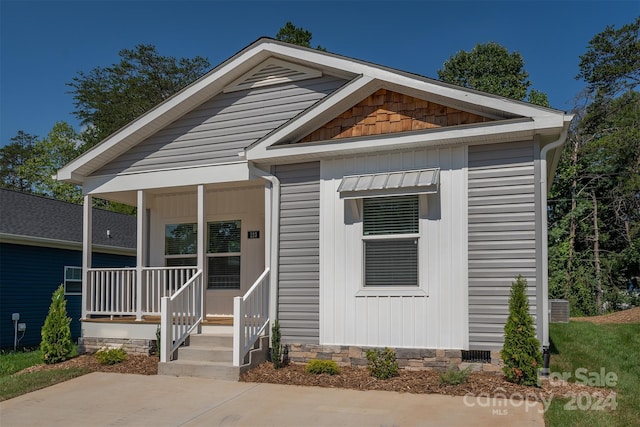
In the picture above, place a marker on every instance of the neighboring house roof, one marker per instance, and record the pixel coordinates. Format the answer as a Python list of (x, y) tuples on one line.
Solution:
[(512, 120), (36, 220)]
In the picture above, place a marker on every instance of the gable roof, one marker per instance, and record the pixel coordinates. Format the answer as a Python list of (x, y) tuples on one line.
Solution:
[(285, 61), (32, 219)]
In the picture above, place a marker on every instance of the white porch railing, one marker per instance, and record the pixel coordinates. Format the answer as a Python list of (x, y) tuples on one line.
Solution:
[(250, 317), (112, 291), (161, 282), (180, 316), (115, 291)]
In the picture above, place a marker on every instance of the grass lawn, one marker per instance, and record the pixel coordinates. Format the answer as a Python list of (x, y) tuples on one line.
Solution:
[(12, 385), (614, 347)]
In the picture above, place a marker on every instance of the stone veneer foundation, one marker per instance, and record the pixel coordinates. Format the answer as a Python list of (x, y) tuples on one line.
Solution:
[(131, 346), (408, 358)]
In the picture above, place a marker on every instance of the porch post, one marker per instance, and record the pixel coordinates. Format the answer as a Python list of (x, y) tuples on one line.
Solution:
[(202, 250), (141, 249), (87, 233)]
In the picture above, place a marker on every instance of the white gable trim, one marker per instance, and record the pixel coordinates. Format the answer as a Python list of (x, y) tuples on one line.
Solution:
[(487, 132), (234, 68), (278, 71)]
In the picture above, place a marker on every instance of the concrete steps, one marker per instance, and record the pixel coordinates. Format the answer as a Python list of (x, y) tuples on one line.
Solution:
[(210, 356)]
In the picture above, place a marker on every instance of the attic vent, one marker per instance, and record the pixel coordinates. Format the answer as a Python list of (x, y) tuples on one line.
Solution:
[(270, 72), (559, 311)]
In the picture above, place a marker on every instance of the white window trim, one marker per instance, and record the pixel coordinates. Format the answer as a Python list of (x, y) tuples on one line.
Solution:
[(70, 280), (371, 291)]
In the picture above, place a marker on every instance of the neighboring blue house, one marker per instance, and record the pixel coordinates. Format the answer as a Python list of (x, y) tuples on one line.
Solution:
[(41, 247)]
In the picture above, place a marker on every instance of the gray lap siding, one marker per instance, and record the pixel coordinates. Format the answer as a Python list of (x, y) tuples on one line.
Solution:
[(502, 235), (299, 253)]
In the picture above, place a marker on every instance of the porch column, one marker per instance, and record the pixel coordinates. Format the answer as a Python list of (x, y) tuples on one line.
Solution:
[(87, 233), (202, 241), (141, 249)]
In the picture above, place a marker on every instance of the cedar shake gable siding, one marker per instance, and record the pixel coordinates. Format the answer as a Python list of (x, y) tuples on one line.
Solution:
[(390, 112)]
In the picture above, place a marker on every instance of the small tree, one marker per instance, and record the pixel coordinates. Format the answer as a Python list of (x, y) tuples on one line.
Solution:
[(521, 352), (56, 342), (276, 345)]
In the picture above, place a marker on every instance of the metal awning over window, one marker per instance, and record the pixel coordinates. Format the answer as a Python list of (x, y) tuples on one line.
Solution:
[(423, 181)]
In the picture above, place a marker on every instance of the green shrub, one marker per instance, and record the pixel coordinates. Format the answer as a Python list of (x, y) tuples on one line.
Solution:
[(276, 345), (453, 376), (111, 356), (521, 351), (158, 341), (323, 367), (56, 342), (382, 363)]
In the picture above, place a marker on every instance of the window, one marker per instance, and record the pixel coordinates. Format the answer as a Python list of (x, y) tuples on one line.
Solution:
[(223, 254), (180, 245), (73, 280), (390, 238)]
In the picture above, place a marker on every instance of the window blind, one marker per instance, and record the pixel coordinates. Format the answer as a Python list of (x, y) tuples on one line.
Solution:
[(391, 262), (391, 215)]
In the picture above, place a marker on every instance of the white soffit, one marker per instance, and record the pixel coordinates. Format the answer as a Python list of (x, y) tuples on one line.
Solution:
[(270, 72), (422, 181)]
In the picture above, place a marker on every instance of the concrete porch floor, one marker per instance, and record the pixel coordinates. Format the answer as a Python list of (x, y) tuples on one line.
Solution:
[(102, 399)]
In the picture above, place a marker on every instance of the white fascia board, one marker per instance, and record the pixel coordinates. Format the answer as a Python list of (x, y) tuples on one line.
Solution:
[(163, 114), (508, 130), (61, 244), (214, 82), (413, 81), (166, 178)]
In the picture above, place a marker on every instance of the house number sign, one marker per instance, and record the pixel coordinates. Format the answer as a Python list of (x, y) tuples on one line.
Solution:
[(254, 234)]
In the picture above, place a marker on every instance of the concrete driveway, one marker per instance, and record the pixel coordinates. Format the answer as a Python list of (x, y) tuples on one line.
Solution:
[(101, 399)]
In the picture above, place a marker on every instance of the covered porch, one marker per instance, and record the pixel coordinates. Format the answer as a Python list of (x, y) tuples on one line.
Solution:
[(203, 259)]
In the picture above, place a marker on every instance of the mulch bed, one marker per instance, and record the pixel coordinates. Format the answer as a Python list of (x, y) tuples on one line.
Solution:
[(135, 364), (631, 315), (478, 384)]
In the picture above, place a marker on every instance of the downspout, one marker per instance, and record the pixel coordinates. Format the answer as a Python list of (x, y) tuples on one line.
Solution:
[(545, 238), (271, 252)]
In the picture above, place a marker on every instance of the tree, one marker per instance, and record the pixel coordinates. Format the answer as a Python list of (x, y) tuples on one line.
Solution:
[(12, 158), (490, 67), (107, 98), (521, 351), (594, 221), (56, 342), (296, 35), (48, 155), (612, 61)]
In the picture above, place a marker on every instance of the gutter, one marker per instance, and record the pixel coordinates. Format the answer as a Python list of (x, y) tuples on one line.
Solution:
[(545, 235), (272, 237), (63, 244)]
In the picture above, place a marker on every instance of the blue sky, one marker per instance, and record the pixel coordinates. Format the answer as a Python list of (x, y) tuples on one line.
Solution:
[(44, 44)]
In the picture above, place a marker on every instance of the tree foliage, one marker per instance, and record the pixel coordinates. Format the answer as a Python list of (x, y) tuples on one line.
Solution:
[(521, 351), (50, 154), (107, 98), (12, 158), (612, 61), (594, 215), (289, 33), (56, 342), (490, 67)]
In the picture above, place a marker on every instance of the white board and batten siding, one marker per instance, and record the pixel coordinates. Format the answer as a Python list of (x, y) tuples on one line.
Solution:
[(222, 127), (436, 318), (502, 236)]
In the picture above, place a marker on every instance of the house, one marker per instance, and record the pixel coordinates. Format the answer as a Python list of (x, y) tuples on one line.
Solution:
[(360, 205), (40, 248)]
